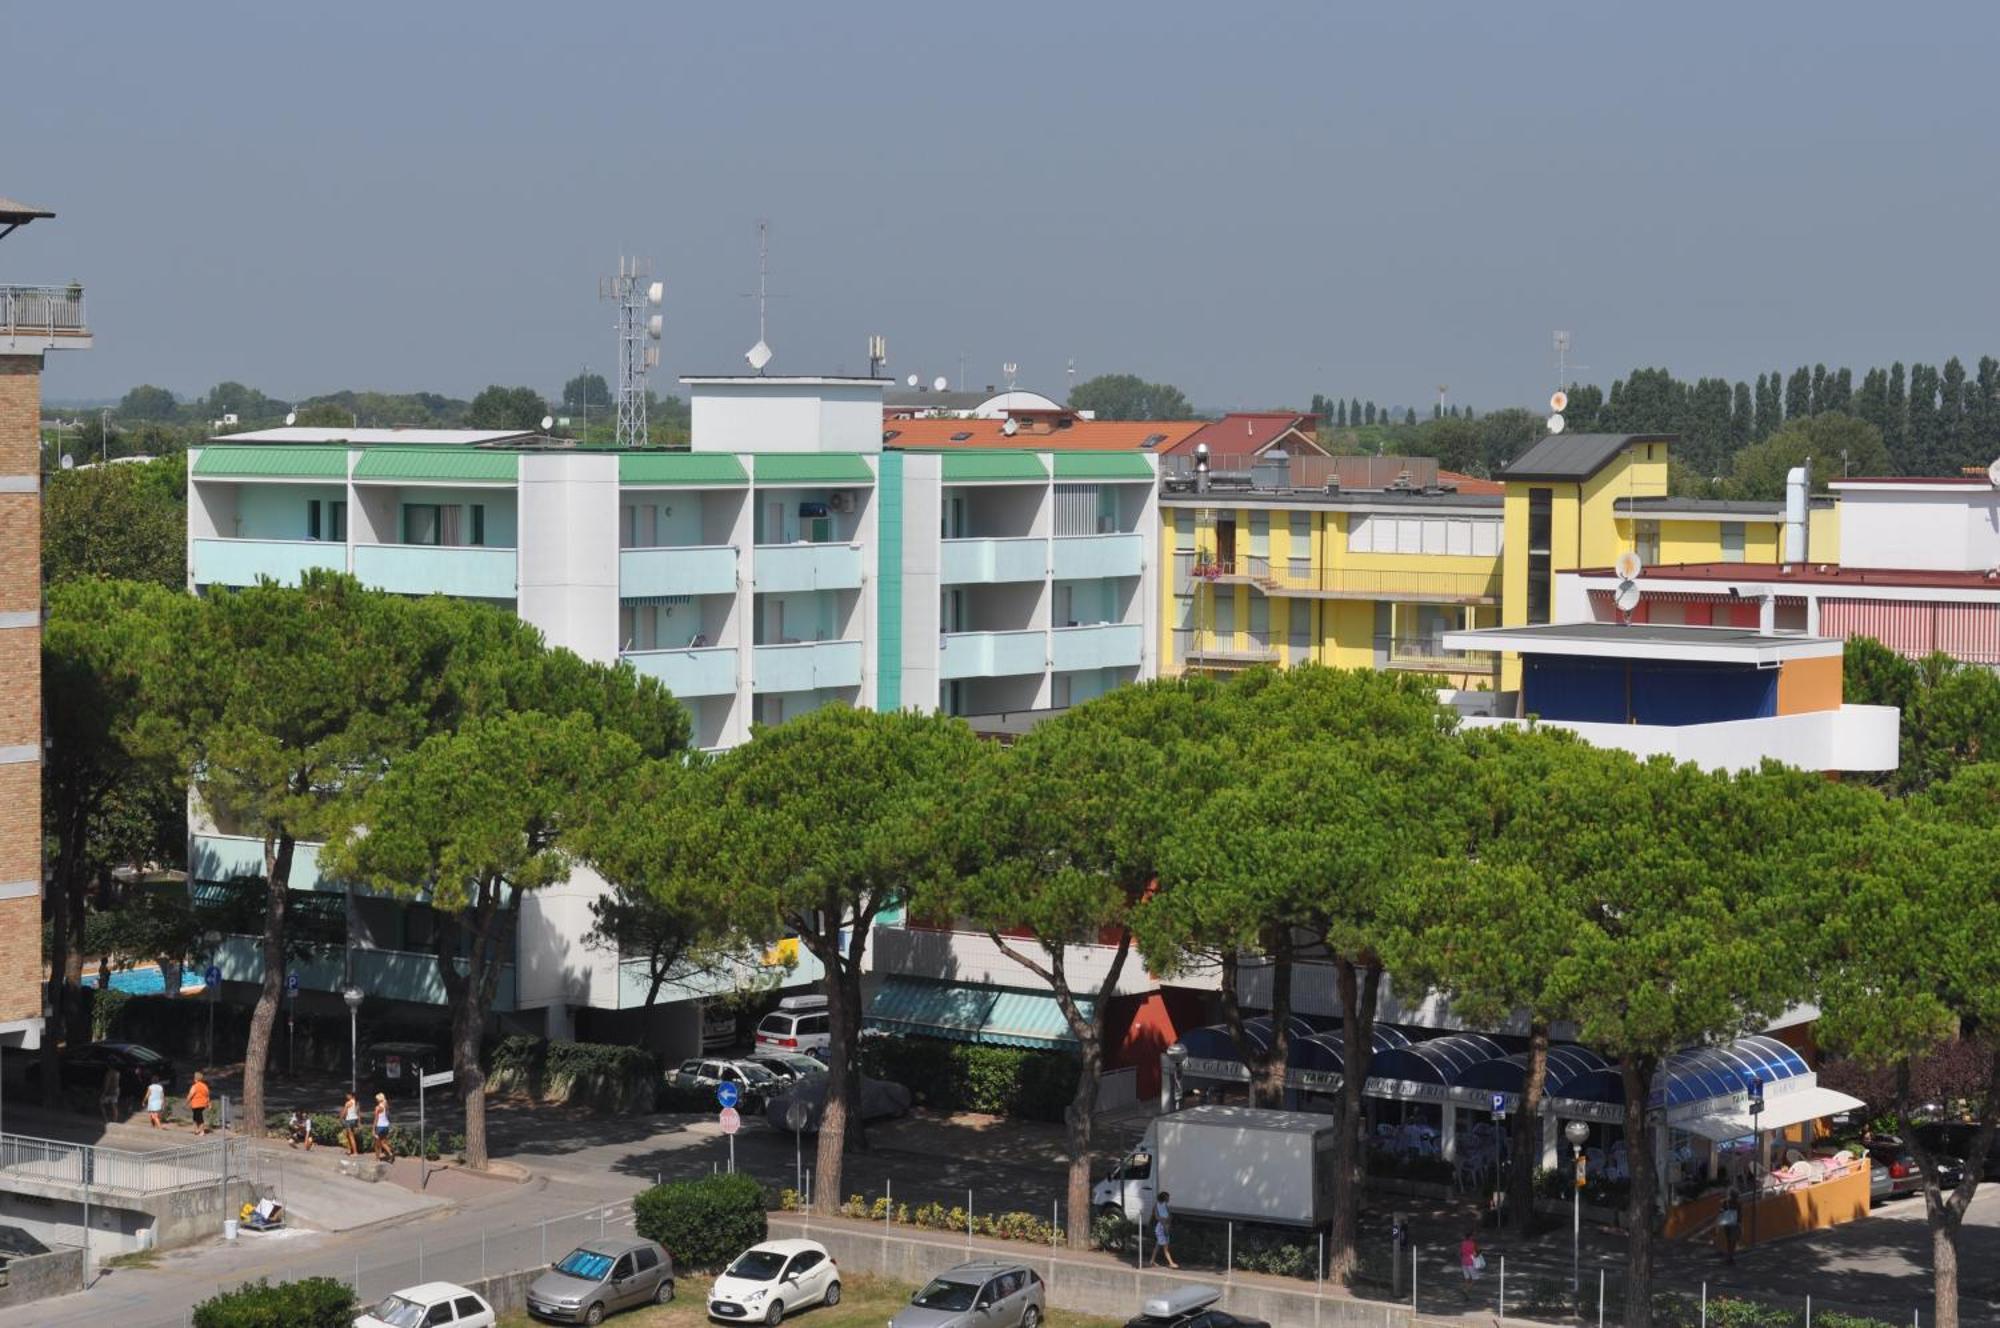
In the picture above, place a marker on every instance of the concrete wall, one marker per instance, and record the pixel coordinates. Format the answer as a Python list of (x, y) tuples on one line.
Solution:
[(40, 1276), (569, 551), (1854, 737), (1947, 528), (166, 1219)]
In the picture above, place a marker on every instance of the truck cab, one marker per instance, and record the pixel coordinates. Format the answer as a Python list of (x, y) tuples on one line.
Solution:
[(1128, 1188)]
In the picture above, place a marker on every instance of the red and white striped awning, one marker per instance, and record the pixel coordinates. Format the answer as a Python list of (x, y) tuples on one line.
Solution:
[(1915, 628)]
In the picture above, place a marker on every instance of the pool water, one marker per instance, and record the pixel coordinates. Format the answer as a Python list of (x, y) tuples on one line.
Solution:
[(147, 981)]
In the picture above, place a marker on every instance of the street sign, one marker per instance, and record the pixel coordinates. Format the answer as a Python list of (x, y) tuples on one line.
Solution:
[(1499, 1104), (727, 1095), (213, 977), (393, 1066), (291, 984), (438, 1080), (732, 1120), (796, 1117)]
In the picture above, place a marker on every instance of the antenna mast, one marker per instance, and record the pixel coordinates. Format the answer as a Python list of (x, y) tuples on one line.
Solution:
[(636, 293), (759, 355)]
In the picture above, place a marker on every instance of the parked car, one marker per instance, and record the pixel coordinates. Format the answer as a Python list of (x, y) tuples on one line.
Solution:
[(768, 1281), (433, 1303), (1894, 1173), (592, 1280), (1954, 1139), (718, 1027), (83, 1069), (1189, 1307), (751, 1079), (986, 1293), (798, 1024), (789, 1066), (880, 1100)]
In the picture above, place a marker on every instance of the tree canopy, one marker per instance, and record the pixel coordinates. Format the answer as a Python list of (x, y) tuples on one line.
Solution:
[(506, 408), (1124, 396), (125, 522)]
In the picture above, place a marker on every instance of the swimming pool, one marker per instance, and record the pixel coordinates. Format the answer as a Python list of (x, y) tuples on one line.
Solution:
[(148, 981)]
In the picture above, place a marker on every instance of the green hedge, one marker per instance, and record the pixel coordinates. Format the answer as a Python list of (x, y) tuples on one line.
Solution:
[(317, 1302), (105, 1007), (517, 1065), (704, 1223), (960, 1076), (604, 1076)]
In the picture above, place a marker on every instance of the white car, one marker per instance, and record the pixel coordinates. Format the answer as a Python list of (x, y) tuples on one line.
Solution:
[(428, 1306), (769, 1281), (798, 1024)]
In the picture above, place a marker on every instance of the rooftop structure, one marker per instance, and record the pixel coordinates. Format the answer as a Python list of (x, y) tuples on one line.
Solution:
[(1575, 456)]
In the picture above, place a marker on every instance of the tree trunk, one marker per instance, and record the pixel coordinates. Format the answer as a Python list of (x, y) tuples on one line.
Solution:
[(839, 1066), (1358, 997), (1944, 1269), (264, 1018), (1946, 1212), (1637, 1072), (470, 995), (1528, 1134), (1267, 1084)]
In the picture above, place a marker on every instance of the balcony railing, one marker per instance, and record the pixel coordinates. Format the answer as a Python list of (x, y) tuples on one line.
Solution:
[(1427, 652), (1081, 557), (463, 571), (1104, 646), (42, 311), (982, 561), (806, 666), (992, 654), (241, 562), (1247, 471), (397, 975), (791, 567), (692, 570), (1288, 577), (1200, 648), (709, 671)]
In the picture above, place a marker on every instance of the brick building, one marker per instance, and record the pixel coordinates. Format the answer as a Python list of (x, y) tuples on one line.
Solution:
[(33, 321)]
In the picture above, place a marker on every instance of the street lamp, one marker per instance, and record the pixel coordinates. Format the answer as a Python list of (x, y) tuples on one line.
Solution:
[(1175, 1057), (1577, 1133), (352, 995)]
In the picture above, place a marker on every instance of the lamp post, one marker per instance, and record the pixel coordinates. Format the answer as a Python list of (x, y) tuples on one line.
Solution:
[(1577, 1133), (1170, 1083), (352, 995)]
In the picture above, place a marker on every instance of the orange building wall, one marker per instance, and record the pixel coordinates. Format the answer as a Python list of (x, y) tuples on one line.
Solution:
[(1806, 685)]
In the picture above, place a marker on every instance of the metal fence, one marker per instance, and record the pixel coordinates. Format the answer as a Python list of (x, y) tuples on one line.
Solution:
[(47, 310), (55, 1162)]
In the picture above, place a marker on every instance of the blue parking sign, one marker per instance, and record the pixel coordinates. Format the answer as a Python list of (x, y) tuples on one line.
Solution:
[(213, 977), (1499, 1104), (291, 984), (727, 1095)]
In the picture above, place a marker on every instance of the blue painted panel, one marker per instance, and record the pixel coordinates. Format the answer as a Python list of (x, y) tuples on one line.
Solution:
[(707, 570), (240, 562), (1664, 692), (423, 569)]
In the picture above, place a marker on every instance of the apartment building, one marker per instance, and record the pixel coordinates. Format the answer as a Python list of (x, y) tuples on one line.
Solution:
[(786, 561), (34, 320)]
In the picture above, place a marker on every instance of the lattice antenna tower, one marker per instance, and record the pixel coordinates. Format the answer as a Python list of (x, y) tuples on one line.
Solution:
[(638, 297)]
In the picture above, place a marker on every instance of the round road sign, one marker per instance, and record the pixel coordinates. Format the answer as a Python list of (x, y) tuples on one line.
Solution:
[(727, 1094), (213, 977), (796, 1117), (731, 1120)]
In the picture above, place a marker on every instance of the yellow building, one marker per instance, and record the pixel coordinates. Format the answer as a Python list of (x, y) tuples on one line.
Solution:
[(1370, 563)]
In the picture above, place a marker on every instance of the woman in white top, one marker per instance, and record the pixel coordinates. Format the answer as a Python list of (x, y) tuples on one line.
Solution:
[(156, 1101), (350, 1124), (382, 1148)]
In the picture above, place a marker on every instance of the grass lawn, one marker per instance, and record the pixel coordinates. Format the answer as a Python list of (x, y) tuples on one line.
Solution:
[(865, 1302)]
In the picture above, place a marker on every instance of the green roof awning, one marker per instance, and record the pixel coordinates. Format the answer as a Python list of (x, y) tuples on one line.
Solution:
[(964, 467), (992, 1016), (678, 468), (449, 464), (219, 461), (1102, 466), (812, 468)]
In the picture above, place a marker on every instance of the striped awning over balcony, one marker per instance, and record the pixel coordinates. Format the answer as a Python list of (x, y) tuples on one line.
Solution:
[(993, 1016)]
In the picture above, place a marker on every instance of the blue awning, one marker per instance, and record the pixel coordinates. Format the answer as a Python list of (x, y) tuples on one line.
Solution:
[(992, 1016), (1704, 1073), (1568, 1065)]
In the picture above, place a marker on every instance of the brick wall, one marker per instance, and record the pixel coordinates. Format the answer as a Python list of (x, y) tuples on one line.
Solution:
[(20, 687)]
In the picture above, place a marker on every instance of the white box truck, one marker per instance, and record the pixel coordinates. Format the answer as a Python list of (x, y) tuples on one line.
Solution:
[(1238, 1163)]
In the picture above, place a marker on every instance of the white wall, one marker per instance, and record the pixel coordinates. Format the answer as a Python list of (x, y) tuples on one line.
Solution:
[(1954, 529), (569, 550), (922, 501), (1854, 737), (553, 965), (776, 415), (972, 957)]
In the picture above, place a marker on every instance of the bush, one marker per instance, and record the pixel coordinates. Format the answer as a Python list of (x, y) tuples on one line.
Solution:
[(704, 1223), (606, 1076), (958, 1076), (317, 1302), (105, 1007), (518, 1065)]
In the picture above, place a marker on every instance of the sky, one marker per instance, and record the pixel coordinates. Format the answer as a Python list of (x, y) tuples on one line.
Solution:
[(1253, 202)]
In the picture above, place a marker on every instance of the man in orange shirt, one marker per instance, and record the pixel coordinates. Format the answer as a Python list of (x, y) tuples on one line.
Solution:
[(198, 1103)]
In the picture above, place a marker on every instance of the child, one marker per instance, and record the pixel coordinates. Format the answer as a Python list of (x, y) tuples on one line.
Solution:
[(302, 1132), (1470, 1260)]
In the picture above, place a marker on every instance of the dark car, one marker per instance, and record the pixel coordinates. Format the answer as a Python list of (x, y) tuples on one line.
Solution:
[(83, 1070), (1903, 1175), (1954, 1139), (789, 1067), (880, 1100)]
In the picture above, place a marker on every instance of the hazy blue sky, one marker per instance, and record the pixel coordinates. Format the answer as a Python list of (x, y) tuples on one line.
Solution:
[(1254, 202)]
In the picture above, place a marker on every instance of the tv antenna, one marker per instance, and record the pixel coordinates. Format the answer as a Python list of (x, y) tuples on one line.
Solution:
[(1563, 367), (1011, 370), (760, 354), (640, 326)]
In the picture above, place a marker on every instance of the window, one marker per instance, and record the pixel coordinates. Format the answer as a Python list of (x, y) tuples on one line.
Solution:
[(1541, 526), (1299, 547), (623, 1269), (468, 1307), (1077, 509), (440, 1313), (1646, 541), (1260, 619), (1225, 612), (1475, 537), (646, 1259), (1260, 534), (1059, 688), (422, 523), (1732, 541), (1298, 623), (478, 524), (326, 519), (1183, 532)]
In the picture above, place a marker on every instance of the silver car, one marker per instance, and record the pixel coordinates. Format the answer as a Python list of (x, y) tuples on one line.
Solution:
[(987, 1293), (592, 1280)]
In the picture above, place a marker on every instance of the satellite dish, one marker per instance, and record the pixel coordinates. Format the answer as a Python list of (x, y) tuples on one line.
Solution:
[(1993, 474), (548, 422), (1626, 597), (656, 292), (1628, 566), (1559, 401), (940, 383), (652, 357), (68, 462), (1011, 427), (655, 325), (1555, 424), (291, 417), (912, 380), (759, 355)]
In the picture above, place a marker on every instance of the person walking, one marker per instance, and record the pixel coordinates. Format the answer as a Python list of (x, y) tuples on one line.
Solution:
[(1729, 1224), (156, 1101), (1471, 1263), (107, 1095), (350, 1125), (197, 1101), (1163, 1231), (382, 1148)]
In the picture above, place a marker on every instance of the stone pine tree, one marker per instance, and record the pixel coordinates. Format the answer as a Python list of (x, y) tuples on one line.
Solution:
[(1896, 419)]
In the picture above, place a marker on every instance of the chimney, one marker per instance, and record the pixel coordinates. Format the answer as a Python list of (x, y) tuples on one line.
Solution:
[(1798, 486)]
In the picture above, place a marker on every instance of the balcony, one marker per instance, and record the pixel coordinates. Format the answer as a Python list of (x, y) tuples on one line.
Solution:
[(992, 654), (704, 672), (1079, 557), (985, 561), (1412, 586), (397, 975), (1105, 646), (241, 562), (790, 567), (1218, 650), (427, 569), (37, 318), (708, 569), (1428, 654), (806, 666)]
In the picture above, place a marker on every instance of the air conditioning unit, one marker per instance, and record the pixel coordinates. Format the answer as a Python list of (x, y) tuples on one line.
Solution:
[(841, 502)]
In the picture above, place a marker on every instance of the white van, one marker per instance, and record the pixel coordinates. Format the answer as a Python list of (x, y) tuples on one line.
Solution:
[(798, 1024)]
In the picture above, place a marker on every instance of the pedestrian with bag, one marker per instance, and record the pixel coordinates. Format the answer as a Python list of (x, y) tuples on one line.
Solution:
[(1729, 1224), (1163, 1231), (156, 1101), (1471, 1263)]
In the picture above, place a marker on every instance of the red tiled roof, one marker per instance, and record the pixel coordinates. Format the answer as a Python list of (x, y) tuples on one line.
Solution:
[(1822, 574), (1470, 484), (1038, 433), (1248, 431)]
